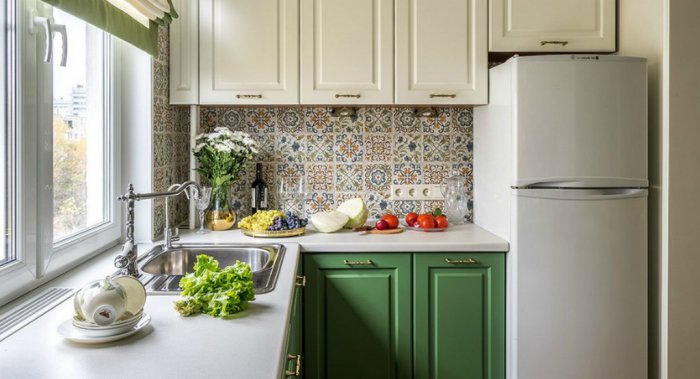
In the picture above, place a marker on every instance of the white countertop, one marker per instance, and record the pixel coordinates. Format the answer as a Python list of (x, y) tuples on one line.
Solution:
[(252, 345), (468, 238)]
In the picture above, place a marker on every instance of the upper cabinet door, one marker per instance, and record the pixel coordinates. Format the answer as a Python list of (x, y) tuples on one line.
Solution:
[(184, 57), (552, 25), (347, 51), (249, 51), (441, 52)]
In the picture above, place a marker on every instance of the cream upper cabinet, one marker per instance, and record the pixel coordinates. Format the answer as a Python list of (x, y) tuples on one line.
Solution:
[(441, 52), (552, 25), (249, 52), (184, 57), (347, 51)]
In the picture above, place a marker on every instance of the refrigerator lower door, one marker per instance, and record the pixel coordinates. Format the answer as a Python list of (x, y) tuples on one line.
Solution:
[(577, 277)]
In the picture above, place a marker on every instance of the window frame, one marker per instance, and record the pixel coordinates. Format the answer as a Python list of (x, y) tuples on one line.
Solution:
[(37, 258)]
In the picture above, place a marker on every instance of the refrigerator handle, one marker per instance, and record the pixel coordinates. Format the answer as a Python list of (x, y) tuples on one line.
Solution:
[(583, 194), (582, 182)]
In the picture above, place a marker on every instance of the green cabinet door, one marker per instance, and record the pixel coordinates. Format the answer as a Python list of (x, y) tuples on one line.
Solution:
[(459, 316), (357, 316)]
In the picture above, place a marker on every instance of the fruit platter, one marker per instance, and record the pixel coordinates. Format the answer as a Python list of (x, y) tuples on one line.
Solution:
[(427, 222), (273, 224)]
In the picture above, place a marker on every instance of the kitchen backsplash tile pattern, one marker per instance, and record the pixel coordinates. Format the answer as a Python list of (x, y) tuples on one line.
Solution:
[(345, 157), (171, 143)]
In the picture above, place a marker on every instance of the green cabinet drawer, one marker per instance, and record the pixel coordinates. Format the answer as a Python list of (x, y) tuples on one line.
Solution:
[(459, 315), (357, 316)]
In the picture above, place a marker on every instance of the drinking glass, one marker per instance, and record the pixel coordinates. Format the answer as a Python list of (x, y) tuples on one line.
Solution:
[(292, 193), (202, 204)]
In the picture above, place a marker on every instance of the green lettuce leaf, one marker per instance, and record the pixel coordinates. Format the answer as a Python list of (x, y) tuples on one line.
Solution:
[(214, 291)]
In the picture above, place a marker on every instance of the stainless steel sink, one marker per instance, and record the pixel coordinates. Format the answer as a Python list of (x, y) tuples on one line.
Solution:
[(160, 269)]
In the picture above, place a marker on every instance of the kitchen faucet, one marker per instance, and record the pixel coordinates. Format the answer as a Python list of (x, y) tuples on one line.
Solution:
[(126, 261)]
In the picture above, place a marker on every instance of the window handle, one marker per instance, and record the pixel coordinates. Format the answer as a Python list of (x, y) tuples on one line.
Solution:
[(45, 23), (61, 29)]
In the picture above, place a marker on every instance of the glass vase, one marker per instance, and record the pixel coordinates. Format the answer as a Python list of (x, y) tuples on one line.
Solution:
[(221, 215)]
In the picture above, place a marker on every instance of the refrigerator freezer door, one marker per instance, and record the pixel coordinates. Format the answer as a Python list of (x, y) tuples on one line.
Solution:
[(580, 120), (577, 272)]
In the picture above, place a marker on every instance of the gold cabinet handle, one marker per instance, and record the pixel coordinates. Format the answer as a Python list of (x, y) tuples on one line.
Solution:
[(248, 96), (450, 95), (563, 43), (469, 261), (358, 263), (355, 96), (297, 367), (301, 281)]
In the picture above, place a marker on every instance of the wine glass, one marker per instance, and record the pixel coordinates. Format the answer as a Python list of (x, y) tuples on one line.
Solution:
[(202, 204), (292, 193)]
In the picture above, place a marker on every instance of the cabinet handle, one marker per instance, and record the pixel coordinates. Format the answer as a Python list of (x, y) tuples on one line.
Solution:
[(297, 367), (469, 261), (355, 96), (358, 263), (563, 43), (301, 281), (450, 95), (248, 96)]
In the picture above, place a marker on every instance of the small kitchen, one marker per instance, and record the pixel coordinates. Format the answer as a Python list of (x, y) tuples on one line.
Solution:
[(330, 189)]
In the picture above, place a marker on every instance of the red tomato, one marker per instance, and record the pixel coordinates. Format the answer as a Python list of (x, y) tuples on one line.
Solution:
[(441, 221), (426, 221), (391, 220), (411, 219)]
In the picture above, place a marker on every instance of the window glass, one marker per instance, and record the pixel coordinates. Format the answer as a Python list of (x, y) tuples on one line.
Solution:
[(6, 138), (80, 181)]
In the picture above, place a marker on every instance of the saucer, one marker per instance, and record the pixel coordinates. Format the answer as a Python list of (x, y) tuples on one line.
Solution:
[(135, 293), (95, 330), (75, 334)]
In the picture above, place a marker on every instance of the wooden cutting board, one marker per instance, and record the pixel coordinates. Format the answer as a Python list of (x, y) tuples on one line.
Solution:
[(385, 231)]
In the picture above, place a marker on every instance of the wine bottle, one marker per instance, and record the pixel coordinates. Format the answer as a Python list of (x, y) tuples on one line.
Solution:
[(258, 191)]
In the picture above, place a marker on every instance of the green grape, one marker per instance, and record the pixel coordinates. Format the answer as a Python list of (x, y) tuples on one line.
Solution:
[(260, 221)]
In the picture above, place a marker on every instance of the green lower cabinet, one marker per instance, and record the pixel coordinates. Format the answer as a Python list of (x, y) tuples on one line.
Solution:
[(459, 316), (403, 315), (357, 316)]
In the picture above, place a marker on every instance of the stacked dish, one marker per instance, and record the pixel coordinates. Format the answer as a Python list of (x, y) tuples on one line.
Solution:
[(123, 325), (107, 310)]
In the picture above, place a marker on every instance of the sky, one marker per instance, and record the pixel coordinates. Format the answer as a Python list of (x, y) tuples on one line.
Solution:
[(65, 78)]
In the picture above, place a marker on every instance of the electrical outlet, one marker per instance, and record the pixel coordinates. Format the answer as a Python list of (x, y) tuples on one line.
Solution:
[(416, 192)]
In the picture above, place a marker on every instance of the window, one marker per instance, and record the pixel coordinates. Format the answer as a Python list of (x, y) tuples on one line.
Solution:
[(58, 140), (79, 196)]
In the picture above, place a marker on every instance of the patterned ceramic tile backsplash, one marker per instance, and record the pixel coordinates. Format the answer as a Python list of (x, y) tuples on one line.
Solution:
[(351, 156), (171, 143)]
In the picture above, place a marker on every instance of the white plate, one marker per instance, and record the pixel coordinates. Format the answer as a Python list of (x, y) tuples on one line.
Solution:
[(74, 334), (110, 330)]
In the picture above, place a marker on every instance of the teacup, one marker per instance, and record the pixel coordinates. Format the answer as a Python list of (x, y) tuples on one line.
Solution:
[(101, 302)]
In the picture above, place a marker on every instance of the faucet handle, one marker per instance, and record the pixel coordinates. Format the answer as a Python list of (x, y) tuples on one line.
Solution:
[(121, 261), (171, 235)]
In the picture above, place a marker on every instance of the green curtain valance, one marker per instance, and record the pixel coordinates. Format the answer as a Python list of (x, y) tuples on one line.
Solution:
[(104, 15)]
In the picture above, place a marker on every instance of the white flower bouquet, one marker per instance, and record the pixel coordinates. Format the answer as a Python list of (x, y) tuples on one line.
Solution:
[(222, 155)]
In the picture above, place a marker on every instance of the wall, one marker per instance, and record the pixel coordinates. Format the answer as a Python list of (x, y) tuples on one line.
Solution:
[(640, 33), (171, 143), (347, 157), (683, 179)]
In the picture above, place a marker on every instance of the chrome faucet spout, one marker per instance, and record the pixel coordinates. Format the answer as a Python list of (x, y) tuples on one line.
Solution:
[(126, 261)]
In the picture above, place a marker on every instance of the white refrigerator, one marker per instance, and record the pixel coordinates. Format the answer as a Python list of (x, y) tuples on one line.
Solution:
[(560, 171)]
